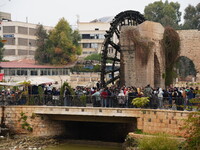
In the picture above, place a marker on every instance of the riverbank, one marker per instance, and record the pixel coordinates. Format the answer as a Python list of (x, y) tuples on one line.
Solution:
[(43, 143), (27, 143)]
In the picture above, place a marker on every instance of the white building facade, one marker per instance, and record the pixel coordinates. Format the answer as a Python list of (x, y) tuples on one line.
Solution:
[(92, 35), (19, 39)]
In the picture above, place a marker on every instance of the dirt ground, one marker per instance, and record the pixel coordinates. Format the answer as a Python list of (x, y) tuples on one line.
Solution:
[(27, 143)]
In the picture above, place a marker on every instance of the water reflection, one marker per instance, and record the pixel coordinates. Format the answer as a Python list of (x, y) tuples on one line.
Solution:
[(87, 145)]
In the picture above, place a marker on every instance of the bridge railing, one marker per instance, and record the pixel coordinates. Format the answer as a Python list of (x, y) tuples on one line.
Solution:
[(178, 103)]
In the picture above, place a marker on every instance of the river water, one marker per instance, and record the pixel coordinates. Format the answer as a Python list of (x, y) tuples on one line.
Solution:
[(87, 145)]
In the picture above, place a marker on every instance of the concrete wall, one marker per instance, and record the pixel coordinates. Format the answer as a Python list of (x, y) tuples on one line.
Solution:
[(150, 121)]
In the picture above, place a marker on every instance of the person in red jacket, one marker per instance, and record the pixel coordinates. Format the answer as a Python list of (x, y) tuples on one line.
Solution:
[(104, 95)]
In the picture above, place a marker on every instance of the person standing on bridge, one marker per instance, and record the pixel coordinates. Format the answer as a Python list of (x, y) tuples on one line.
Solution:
[(67, 94), (104, 96)]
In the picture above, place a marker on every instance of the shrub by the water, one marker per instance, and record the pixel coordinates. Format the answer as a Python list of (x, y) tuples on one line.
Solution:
[(160, 142)]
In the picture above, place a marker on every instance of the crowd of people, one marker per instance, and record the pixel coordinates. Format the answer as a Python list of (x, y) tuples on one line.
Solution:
[(170, 98)]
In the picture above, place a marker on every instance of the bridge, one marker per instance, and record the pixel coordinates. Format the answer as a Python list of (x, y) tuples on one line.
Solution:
[(90, 114), (76, 122)]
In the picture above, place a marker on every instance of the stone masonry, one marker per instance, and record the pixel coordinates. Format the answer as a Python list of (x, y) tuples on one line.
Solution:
[(135, 74), (190, 47), (41, 125), (150, 121)]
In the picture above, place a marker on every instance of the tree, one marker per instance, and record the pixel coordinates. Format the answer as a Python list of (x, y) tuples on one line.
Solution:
[(60, 46), (65, 43), (192, 17), (1, 49), (171, 48), (166, 13), (95, 56), (42, 55)]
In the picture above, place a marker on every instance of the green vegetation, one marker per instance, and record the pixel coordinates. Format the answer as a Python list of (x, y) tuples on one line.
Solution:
[(185, 67), (59, 47), (25, 124), (82, 68), (171, 49), (83, 99), (159, 142), (62, 90), (142, 45), (192, 126), (1, 49), (95, 56), (191, 17), (140, 102), (40, 94), (166, 13)]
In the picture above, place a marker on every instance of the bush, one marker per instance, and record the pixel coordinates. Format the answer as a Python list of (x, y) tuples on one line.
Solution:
[(160, 142), (192, 126), (140, 101)]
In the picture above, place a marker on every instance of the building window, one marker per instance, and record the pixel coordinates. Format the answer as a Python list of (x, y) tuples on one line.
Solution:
[(9, 29), (21, 72), (12, 72), (85, 36), (94, 45), (86, 45), (34, 72), (22, 41), (22, 30), (43, 72)]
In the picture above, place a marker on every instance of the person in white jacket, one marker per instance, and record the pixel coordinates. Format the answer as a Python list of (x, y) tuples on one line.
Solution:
[(160, 98)]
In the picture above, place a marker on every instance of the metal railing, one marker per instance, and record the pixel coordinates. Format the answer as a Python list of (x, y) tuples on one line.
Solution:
[(176, 103)]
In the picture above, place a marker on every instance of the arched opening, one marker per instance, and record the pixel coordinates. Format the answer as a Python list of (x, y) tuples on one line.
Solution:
[(157, 75), (185, 69)]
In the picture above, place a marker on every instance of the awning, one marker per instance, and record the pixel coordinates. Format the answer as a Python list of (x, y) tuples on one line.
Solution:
[(38, 80)]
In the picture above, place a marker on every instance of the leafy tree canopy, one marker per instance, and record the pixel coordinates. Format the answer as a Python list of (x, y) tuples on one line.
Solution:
[(166, 13), (94, 56), (192, 17), (60, 46)]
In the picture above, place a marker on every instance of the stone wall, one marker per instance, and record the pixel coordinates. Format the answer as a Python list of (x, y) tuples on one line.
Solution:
[(133, 73), (164, 121), (41, 125), (150, 121), (190, 47)]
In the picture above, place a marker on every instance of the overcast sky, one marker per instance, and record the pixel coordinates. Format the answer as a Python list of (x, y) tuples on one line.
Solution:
[(48, 12)]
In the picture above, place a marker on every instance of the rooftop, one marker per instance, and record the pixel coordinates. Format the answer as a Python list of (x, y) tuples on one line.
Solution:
[(28, 63), (104, 19)]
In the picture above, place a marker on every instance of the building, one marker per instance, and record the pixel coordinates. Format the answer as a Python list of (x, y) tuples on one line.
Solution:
[(20, 70), (5, 16), (19, 37), (92, 34)]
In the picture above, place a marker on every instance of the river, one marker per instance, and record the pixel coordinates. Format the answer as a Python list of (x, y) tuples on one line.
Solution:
[(87, 145)]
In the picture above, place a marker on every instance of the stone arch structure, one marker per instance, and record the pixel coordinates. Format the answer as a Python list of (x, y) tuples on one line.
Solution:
[(138, 75), (185, 67), (157, 74), (190, 47), (153, 73)]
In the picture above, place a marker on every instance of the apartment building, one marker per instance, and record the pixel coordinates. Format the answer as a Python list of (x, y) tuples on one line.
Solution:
[(92, 34), (19, 38)]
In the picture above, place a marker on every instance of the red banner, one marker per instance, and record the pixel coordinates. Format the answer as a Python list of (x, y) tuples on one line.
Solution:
[(1, 76)]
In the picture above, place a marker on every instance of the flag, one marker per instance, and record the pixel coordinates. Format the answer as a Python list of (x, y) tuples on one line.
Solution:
[(1, 76)]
